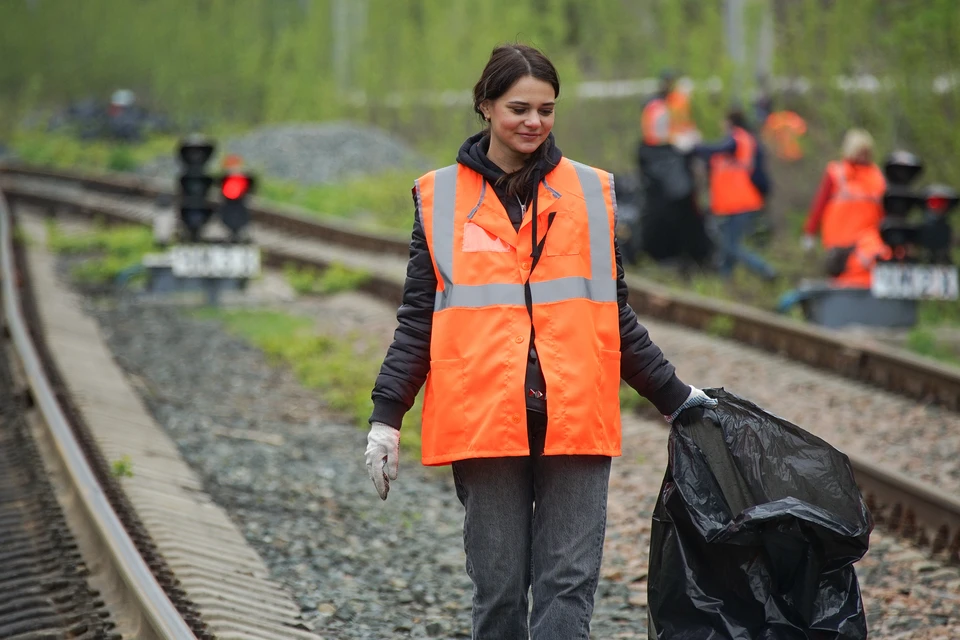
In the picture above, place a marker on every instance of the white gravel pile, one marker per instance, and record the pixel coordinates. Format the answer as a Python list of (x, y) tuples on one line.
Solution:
[(309, 153)]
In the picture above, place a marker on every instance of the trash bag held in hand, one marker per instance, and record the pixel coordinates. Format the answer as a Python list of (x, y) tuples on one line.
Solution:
[(755, 532)]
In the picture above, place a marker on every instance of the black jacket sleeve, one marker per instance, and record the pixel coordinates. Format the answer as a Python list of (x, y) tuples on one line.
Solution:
[(407, 362), (642, 364)]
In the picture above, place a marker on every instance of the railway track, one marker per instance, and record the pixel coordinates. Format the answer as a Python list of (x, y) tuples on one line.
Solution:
[(47, 588), (914, 509)]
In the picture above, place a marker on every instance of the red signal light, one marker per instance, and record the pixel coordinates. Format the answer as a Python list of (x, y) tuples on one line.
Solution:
[(938, 204), (235, 186)]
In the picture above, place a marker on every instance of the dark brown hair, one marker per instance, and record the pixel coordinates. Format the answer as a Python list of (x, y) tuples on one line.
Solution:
[(507, 64), (736, 117)]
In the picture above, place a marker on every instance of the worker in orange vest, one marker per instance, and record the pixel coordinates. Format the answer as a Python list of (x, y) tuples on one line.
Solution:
[(863, 256), (849, 200), (737, 185), (655, 122), (782, 130), (514, 314), (666, 119)]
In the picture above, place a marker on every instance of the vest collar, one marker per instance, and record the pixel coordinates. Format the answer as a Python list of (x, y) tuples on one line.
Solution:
[(492, 217)]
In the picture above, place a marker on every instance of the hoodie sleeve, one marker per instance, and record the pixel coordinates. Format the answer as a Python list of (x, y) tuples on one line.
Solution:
[(642, 365), (407, 362)]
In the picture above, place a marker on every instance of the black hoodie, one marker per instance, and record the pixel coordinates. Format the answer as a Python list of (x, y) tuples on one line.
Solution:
[(405, 367)]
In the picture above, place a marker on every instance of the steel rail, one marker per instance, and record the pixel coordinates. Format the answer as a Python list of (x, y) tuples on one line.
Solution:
[(900, 502), (159, 619), (915, 509)]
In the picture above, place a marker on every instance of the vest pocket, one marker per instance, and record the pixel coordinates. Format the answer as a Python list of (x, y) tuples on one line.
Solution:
[(444, 413), (476, 239)]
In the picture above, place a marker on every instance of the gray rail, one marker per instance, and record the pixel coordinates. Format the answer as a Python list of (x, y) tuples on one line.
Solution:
[(159, 619)]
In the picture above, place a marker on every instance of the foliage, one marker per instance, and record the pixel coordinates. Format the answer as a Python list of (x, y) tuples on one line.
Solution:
[(122, 468), (250, 61), (64, 150), (108, 251), (337, 278), (342, 368), (382, 201)]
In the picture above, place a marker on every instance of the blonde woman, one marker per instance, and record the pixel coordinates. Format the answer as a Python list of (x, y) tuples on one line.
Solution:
[(850, 198)]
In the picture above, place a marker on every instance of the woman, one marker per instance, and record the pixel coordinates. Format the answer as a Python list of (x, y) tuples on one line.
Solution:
[(849, 200), (736, 170), (515, 306)]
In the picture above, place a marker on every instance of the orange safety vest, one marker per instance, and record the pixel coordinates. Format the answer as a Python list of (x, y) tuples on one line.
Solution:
[(868, 248), (678, 105), (856, 205), (655, 122), (474, 403), (731, 189), (783, 129)]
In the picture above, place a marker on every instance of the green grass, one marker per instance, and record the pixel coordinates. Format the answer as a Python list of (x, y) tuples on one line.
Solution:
[(382, 201), (720, 326), (337, 278), (109, 251), (122, 468), (923, 341), (342, 369), (65, 150)]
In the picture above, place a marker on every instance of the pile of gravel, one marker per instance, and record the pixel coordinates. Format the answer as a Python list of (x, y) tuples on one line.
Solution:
[(310, 153)]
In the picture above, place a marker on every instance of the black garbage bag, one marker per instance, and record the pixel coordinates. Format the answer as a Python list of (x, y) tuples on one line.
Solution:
[(669, 225), (755, 532)]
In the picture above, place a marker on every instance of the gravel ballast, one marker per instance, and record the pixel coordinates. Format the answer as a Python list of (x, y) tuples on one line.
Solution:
[(291, 474)]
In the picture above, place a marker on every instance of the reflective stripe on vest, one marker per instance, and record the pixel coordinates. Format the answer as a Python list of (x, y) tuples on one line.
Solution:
[(599, 287)]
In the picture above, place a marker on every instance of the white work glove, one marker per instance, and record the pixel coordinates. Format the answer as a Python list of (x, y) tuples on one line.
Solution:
[(697, 398), (808, 243), (383, 456)]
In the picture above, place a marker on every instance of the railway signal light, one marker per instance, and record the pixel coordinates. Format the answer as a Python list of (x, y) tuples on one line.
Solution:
[(195, 152), (235, 186), (930, 239), (940, 199)]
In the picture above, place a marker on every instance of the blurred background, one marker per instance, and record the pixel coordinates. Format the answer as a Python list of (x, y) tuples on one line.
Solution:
[(339, 104)]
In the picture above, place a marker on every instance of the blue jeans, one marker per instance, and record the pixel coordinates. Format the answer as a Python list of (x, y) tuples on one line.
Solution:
[(732, 230), (533, 522)]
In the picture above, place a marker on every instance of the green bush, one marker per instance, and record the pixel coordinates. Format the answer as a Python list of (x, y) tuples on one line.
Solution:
[(294, 61)]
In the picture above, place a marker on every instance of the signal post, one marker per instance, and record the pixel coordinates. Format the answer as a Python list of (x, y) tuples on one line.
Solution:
[(207, 257)]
